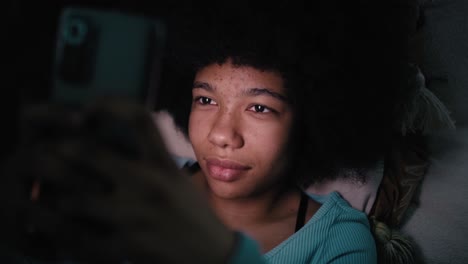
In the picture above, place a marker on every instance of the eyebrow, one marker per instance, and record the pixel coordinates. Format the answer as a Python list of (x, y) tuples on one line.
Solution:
[(266, 91), (203, 85), (250, 92)]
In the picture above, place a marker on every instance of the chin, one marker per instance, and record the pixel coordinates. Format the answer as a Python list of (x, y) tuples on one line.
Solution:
[(228, 190)]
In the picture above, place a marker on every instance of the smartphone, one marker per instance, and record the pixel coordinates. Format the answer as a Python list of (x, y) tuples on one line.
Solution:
[(102, 53)]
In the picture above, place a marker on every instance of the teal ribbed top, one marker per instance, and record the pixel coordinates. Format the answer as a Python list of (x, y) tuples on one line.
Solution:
[(337, 233)]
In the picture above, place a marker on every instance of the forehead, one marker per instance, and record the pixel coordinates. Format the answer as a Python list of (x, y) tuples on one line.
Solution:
[(234, 76)]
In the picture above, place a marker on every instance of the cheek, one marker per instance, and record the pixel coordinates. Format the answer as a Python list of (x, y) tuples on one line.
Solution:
[(270, 142), (197, 127)]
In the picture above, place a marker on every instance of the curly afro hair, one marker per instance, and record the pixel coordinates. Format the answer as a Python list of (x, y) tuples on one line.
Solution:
[(343, 62)]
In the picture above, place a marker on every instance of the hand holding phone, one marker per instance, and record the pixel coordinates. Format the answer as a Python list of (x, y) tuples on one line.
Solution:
[(109, 191)]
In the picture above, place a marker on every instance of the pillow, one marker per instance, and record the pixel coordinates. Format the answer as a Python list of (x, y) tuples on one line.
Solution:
[(176, 142), (444, 61), (437, 223)]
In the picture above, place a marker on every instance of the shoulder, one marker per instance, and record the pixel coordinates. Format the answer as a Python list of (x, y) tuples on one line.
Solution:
[(347, 234), (336, 233)]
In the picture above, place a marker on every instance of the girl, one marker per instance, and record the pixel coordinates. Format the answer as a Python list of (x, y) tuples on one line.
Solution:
[(276, 104)]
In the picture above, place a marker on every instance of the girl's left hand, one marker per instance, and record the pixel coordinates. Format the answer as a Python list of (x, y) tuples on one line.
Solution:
[(98, 185)]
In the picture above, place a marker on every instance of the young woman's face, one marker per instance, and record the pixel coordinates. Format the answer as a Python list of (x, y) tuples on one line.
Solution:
[(239, 127)]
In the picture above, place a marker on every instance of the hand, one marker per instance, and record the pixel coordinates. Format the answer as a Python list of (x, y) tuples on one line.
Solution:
[(106, 190)]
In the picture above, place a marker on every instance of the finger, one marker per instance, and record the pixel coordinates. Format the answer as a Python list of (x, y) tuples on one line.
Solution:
[(39, 123), (101, 162), (15, 196), (124, 121), (55, 175), (76, 176), (67, 228), (60, 236), (92, 241)]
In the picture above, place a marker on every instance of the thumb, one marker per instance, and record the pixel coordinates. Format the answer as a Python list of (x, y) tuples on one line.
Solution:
[(128, 128)]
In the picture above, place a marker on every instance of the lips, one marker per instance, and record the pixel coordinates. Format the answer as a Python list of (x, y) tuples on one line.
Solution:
[(225, 170)]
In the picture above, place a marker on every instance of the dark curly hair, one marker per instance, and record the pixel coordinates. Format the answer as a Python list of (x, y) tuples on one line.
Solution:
[(343, 62)]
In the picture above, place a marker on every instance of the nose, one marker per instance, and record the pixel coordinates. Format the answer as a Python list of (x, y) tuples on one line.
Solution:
[(225, 131)]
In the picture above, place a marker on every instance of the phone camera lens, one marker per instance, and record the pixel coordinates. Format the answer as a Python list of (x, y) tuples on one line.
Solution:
[(75, 32), (76, 53)]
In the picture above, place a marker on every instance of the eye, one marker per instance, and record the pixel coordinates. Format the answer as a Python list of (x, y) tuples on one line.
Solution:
[(260, 109), (205, 100)]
